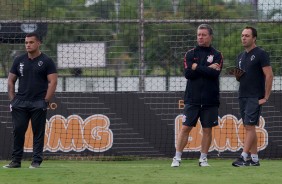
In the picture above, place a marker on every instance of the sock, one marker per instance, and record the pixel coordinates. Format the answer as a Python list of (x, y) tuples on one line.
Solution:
[(203, 155), (255, 157), (178, 155), (244, 155)]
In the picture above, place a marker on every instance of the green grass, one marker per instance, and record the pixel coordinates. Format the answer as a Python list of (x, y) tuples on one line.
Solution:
[(142, 171)]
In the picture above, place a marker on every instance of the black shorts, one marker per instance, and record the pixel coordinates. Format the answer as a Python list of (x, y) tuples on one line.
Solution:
[(250, 110), (208, 115)]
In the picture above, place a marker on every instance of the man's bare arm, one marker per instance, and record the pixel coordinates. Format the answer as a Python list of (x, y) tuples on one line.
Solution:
[(12, 78), (52, 85), (268, 83)]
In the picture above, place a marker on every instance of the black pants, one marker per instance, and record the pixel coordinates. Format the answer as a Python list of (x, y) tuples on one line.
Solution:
[(23, 111)]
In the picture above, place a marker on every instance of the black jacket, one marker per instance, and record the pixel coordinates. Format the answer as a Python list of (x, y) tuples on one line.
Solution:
[(202, 86)]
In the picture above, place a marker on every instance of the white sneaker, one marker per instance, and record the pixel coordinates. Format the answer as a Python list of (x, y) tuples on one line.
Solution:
[(203, 162), (175, 162)]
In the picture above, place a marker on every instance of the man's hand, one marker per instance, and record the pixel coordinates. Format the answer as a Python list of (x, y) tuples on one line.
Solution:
[(215, 66), (194, 66), (262, 101)]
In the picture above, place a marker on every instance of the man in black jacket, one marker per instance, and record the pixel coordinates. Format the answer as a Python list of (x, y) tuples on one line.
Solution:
[(203, 65)]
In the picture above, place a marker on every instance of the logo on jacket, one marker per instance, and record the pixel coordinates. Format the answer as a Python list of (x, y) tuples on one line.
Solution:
[(210, 59)]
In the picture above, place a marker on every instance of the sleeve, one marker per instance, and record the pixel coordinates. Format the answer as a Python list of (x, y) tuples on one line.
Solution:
[(13, 69), (188, 62), (264, 59), (208, 72), (51, 67)]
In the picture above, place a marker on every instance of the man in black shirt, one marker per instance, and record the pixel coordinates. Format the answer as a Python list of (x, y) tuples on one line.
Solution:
[(254, 91), (37, 77), (202, 65)]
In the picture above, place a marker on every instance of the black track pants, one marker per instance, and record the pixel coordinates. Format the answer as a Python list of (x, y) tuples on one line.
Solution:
[(22, 112)]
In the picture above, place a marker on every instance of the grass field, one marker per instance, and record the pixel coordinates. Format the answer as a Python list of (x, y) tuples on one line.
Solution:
[(142, 171)]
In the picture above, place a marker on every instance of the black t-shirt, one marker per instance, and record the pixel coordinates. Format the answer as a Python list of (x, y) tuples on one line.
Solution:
[(32, 75), (252, 83)]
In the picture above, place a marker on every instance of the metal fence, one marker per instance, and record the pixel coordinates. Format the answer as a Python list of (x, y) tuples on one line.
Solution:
[(105, 49)]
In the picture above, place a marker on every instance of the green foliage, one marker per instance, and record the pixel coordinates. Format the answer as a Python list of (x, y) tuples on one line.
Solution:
[(230, 44), (165, 44), (166, 47), (268, 39), (32, 9)]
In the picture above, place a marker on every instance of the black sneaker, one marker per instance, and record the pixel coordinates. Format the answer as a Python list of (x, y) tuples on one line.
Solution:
[(13, 165), (34, 165), (239, 162), (252, 163)]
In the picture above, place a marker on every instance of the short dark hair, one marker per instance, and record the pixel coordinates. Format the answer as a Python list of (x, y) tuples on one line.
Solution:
[(254, 31), (37, 36), (207, 27)]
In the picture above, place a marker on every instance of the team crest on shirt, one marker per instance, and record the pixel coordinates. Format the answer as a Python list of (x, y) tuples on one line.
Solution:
[(210, 59), (253, 57), (40, 63)]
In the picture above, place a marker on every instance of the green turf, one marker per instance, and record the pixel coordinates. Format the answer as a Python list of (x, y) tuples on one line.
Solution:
[(142, 171)]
